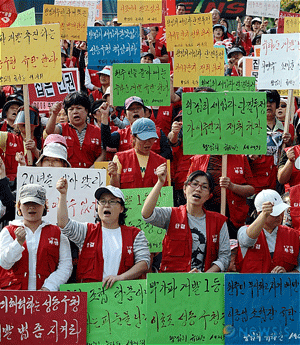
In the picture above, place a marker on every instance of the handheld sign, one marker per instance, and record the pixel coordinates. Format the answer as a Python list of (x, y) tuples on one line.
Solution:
[(25, 18), (224, 123), (291, 25), (143, 11), (282, 16), (72, 20), (263, 8), (151, 82), (228, 83), (116, 315)]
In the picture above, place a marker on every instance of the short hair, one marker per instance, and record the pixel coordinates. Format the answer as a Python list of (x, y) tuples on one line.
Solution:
[(45, 211), (77, 98), (96, 105), (122, 216), (204, 89), (197, 173), (274, 95), (181, 4), (215, 9)]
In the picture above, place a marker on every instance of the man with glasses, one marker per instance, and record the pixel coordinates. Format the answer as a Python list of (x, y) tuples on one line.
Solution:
[(196, 240), (109, 250)]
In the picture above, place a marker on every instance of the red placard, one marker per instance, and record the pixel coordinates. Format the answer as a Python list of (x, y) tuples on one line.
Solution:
[(44, 95), (282, 15), (8, 13), (36, 317)]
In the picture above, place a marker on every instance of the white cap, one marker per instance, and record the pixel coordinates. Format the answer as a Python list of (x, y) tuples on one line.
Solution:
[(109, 189), (272, 196), (54, 150)]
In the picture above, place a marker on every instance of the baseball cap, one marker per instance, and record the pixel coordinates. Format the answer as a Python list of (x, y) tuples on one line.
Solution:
[(272, 196), (105, 70), (54, 150), (55, 138), (107, 92), (133, 99), (147, 54), (109, 189), (256, 19), (144, 128), (32, 193)]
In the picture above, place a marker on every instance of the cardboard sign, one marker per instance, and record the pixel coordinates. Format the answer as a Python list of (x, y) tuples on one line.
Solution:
[(135, 199), (251, 67), (109, 45), (263, 8), (36, 317), (185, 308), (82, 186), (72, 20), (279, 62), (116, 315), (193, 30), (90, 4), (151, 82), (291, 25), (30, 54), (228, 83), (190, 63), (262, 309), (44, 95), (25, 18), (143, 11), (224, 123), (282, 15)]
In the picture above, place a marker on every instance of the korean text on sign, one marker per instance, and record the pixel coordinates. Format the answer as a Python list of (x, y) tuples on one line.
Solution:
[(143, 11)]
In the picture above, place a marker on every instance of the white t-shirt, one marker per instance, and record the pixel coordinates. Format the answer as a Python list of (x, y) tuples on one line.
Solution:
[(112, 250)]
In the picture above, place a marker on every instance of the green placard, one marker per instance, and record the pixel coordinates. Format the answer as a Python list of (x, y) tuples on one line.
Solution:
[(134, 201), (26, 18), (224, 123), (185, 308), (151, 82), (116, 315), (228, 83)]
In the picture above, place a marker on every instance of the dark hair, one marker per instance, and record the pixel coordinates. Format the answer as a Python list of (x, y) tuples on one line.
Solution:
[(122, 216), (226, 21), (197, 173), (96, 105), (272, 95), (77, 98), (181, 4), (203, 89)]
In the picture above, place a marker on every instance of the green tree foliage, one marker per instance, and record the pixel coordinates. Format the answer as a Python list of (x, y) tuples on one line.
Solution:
[(290, 6)]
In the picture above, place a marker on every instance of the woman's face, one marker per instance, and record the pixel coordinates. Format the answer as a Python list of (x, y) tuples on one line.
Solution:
[(197, 191)]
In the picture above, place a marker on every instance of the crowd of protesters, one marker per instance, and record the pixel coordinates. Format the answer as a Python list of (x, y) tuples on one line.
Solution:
[(258, 234)]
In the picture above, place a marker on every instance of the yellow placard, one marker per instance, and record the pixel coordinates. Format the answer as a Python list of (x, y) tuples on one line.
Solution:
[(291, 25), (103, 165), (72, 20), (142, 11), (285, 92), (30, 54), (190, 63), (192, 30)]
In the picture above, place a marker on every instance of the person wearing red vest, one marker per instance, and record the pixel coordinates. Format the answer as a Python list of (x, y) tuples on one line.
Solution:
[(109, 250), (83, 139), (197, 240), (154, 46), (34, 255), (135, 168), (289, 166), (104, 77), (266, 246)]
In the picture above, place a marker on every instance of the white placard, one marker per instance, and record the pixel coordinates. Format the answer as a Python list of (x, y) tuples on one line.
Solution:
[(263, 8), (82, 184), (91, 4), (279, 67)]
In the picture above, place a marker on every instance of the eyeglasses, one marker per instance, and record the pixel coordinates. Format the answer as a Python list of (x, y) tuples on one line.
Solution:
[(103, 202), (195, 185)]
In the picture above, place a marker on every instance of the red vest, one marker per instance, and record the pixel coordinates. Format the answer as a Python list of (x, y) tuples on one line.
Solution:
[(179, 166), (237, 204), (295, 206), (94, 75), (85, 156), (163, 118), (295, 177), (258, 258), (47, 261), (97, 95), (90, 263), (177, 243), (131, 176), (126, 140), (158, 47)]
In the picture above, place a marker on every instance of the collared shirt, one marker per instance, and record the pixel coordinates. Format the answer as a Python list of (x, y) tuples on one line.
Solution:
[(80, 135)]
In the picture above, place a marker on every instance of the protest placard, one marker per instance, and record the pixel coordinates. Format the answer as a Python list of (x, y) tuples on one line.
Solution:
[(30, 54), (109, 45), (82, 186), (44, 95), (191, 30), (139, 12), (291, 25), (135, 199), (282, 15), (263, 8), (72, 20), (190, 63), (25, 18), (116, 315), (262, 309), (185, 308), (251, 66), (36, 317), (151, 82), (224, 123), (98, 10), (228, 83), (279, 66), (90, 4)]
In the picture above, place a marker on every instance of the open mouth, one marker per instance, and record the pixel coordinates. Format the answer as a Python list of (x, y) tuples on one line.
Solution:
[(197, 196), (107, 212), (137, 116)]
